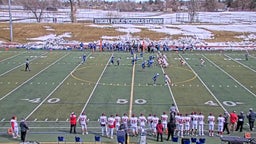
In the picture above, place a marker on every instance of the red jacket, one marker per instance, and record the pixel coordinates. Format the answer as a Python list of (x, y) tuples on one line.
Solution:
[(72, 119), (233, 117), (159, 128)]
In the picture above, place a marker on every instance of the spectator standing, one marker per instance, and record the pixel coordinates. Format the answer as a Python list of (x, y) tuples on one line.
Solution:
[(23, 129), (226, 118), (251, 118), (159, 130), (72, 120), (171, 126), (123, 127), (240, 121), (233, 120)]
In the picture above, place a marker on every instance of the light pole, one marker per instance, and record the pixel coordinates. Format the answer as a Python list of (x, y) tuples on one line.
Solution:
[(10, 17)]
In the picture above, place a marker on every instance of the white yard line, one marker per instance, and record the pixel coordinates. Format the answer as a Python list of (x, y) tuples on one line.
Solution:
[(240, 63), (11, 57), (205, 86), (252, 56), (230, 76), (19, 65), (97, 83), (170, 90), (31, 78), (53, 90), (132, 90)]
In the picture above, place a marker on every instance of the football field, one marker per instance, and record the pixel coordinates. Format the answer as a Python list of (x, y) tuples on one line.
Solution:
[(59, 83)]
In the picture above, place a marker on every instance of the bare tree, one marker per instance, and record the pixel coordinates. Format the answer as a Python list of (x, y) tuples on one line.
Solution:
[(192, 10), (210, 5), (253, 5), (242, 4), (173, 4), (37, 7), (73, 9), (3, 2), (229, 3)]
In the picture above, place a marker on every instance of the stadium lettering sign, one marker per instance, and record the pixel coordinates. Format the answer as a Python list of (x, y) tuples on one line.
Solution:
[(128, 20)]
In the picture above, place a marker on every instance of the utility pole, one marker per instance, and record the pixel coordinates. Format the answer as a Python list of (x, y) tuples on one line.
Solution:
[(10, 17)]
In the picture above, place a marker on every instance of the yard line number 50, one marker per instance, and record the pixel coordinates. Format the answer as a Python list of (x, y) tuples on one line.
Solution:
[(125, 101)]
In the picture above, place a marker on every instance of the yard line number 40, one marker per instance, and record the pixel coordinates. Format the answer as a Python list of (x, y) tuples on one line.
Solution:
[(227, 103), (38, 100)]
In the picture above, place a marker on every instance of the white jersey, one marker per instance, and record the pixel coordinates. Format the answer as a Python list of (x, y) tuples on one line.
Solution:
[(117, 120), (125, 119), (181, 120), (14, 123), (142, 120), (164, 118), (211, 119), (103, 120), (111, 122), (200, 119), (194, 119), (221, 120), (150, 119), (177, 117), (83, 119), (187, 120), (155, 121), (134, 121)]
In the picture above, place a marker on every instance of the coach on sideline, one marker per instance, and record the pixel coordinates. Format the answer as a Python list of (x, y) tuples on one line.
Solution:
[(251, 118)]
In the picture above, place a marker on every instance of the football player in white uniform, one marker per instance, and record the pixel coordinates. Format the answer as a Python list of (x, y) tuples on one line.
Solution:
[(164, 118), (211, 121), (103, 124), (83, 123)]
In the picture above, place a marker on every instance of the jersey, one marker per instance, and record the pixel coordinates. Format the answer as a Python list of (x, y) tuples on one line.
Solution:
[(201, 119), (155, 121), (142, 121), (83, 119), (14, 124), (111, 122), (125, 119), (134, 121), (211, 119), (164, 118), (221, 120), (117, 120), (103, 120)]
